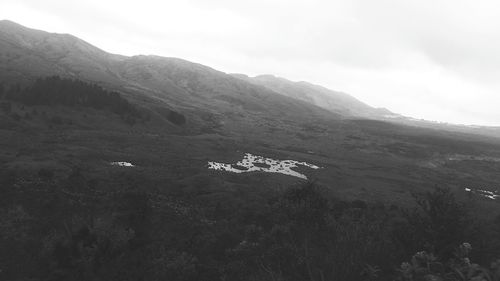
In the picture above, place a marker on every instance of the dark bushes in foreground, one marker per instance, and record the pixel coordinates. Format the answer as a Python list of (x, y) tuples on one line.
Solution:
[(77, 229)]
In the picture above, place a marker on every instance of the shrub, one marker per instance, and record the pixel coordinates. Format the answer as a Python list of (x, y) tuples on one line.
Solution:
[(426, 266), (6, 106), (176, 118)]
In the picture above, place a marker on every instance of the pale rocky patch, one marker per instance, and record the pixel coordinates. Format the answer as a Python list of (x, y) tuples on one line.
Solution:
[(122, 164), (484, 193), (254, 163)]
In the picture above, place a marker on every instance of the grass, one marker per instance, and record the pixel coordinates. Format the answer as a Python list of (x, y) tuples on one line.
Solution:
[(362, 159)]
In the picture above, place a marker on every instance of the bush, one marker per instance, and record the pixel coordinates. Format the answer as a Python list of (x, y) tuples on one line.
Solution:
[(118, 228), (56, 120), (46, 174), (176, 118), (426, 266), (6, 107), (440, 221), (15, 116)]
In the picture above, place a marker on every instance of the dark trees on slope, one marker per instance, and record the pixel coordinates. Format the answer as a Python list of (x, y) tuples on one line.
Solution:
[(69, 92)]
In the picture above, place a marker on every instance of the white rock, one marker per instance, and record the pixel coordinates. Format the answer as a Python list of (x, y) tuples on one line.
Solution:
[(493, 195), (275, 166), (122, 164)]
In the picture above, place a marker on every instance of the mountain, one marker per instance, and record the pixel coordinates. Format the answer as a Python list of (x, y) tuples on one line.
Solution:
[(199, 91), (27, 52), (184, 86), (330, 100), (350, 107)]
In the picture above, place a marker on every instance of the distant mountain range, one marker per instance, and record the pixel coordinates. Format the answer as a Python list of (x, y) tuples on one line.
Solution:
[(28, 53), (202, 93), (196, 90), (330, 100)]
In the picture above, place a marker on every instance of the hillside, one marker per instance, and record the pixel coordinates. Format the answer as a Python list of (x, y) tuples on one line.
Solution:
[(181, 85), (330, 100)]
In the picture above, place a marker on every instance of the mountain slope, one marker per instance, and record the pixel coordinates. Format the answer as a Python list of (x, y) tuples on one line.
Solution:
[(159, 82), (199, 91), (333, 101), (349, 106), (28, 52)]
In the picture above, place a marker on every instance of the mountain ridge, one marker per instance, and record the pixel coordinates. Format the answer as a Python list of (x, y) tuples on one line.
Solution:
[(65, 54), (331, 100), (208, 97), (30, 53)]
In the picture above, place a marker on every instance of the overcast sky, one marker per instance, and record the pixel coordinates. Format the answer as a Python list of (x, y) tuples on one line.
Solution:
[(431, 59)]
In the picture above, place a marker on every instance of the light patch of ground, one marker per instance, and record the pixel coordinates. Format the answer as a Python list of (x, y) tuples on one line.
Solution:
[(437, 162), (484, 193), (254, 163), (460, 157), (122, 164)]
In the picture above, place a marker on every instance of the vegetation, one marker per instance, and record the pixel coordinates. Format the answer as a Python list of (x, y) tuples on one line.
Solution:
[(78, 227), (74, 93), (176, 118), (426, 266)]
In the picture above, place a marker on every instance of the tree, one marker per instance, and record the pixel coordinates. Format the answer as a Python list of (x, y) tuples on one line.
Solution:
[(439, 221), (55, 90)]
